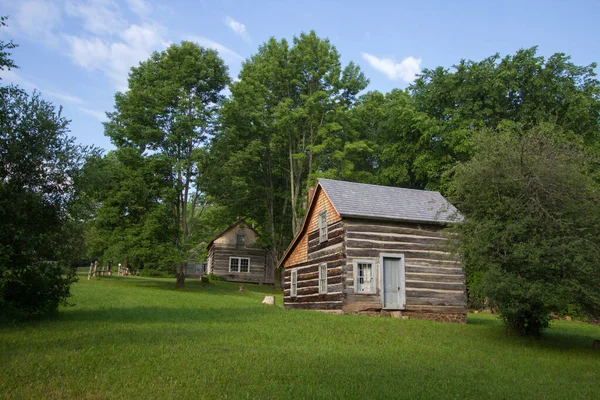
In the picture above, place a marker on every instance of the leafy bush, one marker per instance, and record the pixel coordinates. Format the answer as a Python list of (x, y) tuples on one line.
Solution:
[(34, 291)]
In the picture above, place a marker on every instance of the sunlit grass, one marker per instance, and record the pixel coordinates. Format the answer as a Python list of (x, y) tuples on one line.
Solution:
[(131, 337)]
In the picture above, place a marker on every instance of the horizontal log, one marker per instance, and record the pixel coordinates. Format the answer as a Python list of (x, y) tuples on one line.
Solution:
[(337, 248), (316, 298), (333, 257), (328, 243), (315, 289), (420, 301), (375, 253), (406, 230), (336, 233), (434, 294), (396, 237), (434, 285), (315, 282), (435, 278), (410, 268), (337, 305), (438, 309), (371, 244), (424, 226), (315, 234)]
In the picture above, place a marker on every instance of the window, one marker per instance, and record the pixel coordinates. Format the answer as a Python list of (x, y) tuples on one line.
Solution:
[(239, 264), (364, 274), (294, 283), (240, 241), (323, 227), (323, 279)]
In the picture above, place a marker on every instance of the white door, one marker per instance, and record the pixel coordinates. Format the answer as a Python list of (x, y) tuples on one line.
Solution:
[(393, 282)]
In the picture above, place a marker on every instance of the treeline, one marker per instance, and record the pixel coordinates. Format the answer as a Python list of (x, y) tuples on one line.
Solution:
[(513, 141)]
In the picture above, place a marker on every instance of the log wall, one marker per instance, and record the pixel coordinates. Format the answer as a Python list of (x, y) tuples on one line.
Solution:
[(219, 255), (330, 253), (435, 279)]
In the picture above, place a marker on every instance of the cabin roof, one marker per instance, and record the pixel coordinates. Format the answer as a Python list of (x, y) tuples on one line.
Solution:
[(240, 221), (362, 200)]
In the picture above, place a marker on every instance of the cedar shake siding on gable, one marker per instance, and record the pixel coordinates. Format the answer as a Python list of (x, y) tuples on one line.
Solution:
[(434, 280), (225, 247)]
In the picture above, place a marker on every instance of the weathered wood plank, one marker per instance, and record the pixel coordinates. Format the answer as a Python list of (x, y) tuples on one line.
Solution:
[(337, 248), (438, 309), (434, 294), (315, 298), (324, 245), (434, 285), (395, 237), (435, 278), (330, 236), (315, 306), (393, 228), (369, 244), (410, 268), (315, 234), (315, 289), (333, 257), (374, 253), (315, 282)]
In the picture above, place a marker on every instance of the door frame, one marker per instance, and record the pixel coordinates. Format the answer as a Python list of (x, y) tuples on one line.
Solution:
[(402, 279)]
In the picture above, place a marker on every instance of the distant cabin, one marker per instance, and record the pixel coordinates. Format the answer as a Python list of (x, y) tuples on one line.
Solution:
[(375, 250), (234, 256)]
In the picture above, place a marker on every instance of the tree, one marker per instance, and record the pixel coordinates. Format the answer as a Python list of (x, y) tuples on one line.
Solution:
[(532, 227), (287, 103), (523, 88), (39, 167), (170, 111)]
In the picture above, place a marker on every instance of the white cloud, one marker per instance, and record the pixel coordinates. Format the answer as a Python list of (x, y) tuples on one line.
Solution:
[(116, 57), (37, 18), (13, 77), (141, 7), (99, 115), (406, 70), (238, 28), (222, 50), (98, 16)]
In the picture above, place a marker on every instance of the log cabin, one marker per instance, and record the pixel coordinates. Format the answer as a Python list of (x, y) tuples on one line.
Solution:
[(376, 250), (233, 255)]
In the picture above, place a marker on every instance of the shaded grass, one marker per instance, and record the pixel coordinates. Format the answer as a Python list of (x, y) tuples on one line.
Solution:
[(131, 337)]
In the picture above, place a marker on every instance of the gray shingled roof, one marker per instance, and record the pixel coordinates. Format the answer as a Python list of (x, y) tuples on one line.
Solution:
[(384, 202)]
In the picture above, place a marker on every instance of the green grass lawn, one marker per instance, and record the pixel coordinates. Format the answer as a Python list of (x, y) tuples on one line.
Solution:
[(132, 337)]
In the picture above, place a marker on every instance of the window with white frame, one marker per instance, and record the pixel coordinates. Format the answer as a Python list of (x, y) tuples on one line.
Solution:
[(364, 277), (323, 279), (294, 283), (323, 227), (239, 264)]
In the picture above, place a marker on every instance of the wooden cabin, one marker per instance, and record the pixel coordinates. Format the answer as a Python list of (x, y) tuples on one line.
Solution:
[(234, 256), (375, 250)]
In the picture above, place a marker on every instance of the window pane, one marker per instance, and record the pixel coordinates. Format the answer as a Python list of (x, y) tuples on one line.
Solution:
[(234, 265), (240, 241), (365, 277), (244, 265), (294, 283)]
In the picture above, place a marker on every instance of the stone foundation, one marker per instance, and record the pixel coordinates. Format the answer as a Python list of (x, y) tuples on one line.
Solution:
[(438, 317)]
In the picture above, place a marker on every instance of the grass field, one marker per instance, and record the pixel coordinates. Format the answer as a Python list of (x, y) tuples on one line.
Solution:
[(132, 337)]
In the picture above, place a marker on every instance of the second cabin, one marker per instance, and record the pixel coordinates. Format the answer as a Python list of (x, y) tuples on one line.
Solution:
[(233, 255), (375, 250)]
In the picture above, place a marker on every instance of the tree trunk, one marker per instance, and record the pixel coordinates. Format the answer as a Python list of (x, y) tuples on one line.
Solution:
[(180, 277)]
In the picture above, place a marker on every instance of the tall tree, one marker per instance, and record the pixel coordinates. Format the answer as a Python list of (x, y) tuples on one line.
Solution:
[(170, 110), (522, 88), (287, 102), (532, 227)]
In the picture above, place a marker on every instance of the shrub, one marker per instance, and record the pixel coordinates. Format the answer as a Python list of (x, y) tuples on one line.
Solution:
[(213, 277), (34, 291)]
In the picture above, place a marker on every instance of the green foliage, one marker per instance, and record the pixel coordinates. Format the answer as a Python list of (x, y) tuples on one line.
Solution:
[(213, 277), (532, 229), (147, 210), (34, 291), (523, 88)]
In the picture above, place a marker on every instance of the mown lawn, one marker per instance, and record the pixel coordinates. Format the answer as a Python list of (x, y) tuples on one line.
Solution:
[(131, 337)]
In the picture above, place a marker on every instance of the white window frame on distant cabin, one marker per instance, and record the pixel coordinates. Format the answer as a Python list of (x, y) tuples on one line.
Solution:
[(294, 283), (323, 226), (322, 278), (238, 270), (360, 287)]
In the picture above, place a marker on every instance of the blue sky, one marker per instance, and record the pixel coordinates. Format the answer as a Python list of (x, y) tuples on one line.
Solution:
[(78, 52)]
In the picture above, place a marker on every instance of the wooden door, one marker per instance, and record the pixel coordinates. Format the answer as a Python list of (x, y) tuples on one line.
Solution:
[(393, 282)]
